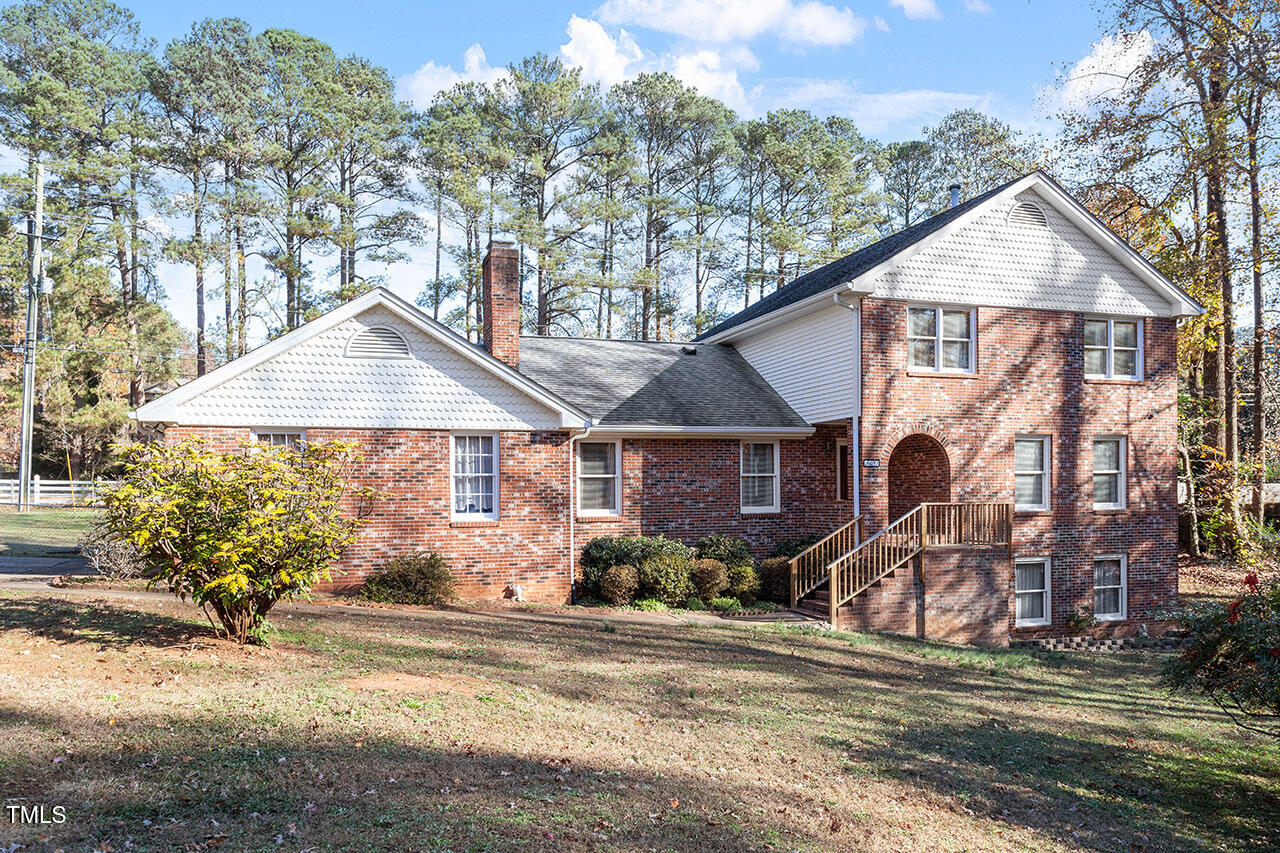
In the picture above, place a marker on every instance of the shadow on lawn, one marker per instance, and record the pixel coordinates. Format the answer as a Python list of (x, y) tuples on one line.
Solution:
[(206, 783), (99, 623), (1082, 789)]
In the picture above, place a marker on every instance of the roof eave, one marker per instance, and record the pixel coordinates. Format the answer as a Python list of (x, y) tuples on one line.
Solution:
[(786, 313)]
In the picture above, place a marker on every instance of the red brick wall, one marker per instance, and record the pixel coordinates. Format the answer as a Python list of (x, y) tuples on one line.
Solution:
[(500, 325), (687, 488), (918, 473), (683, 489), (1029, 381)]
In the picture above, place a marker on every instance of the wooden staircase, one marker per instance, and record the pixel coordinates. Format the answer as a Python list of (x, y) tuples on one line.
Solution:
[(843, 566)]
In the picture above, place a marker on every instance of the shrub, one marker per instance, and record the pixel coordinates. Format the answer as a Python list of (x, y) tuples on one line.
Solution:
[(791, 546), (727, 549), (603, 552), (412, 579), (775, 579), (649, 604), (709, 578), (237, 531), (619, 584), (1234, 656), (694, 603), (666, 578), (111, 556), (744, 583), (725, 605)]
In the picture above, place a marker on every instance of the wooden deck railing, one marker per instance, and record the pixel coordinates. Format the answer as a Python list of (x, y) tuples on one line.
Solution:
[(929, 525), (809, 567)]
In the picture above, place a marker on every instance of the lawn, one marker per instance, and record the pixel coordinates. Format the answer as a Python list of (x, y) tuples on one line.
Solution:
[(46, 532), (528, 729)]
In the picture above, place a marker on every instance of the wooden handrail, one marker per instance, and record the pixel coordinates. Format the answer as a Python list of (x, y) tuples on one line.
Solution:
[(928, 525), (809, 567)]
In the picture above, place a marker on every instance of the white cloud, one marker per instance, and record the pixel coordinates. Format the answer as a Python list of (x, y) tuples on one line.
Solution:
[(886, 114), (880, 24), (1104, 72), (809, 23), (918, 9), (705, 71), (978, 7), (423, 85), (600, 56)]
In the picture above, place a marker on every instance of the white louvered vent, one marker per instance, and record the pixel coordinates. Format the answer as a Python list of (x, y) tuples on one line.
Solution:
[(1027, 213), (377, 342)]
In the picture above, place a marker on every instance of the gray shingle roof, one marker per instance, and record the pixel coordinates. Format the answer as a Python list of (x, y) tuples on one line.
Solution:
[(641, 383), (849, 267)]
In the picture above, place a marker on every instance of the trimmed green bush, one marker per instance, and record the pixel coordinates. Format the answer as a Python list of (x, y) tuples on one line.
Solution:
[(791, 546), (775, 579), (709, 578), (619, 584), (666, 578), (744, 583), (695, 603), (727, 549), (724, 605), (412, 579), (649, 604), (603, 552)]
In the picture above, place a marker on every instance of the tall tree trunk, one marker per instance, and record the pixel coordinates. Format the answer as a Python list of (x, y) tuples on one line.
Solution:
[(228, 316), (1255, 252), (197, 236), (242, 279)]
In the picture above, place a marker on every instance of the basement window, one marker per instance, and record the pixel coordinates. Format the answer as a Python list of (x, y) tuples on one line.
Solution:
[(940, 339), (1031, 592), (291, 440), (1110, 587)]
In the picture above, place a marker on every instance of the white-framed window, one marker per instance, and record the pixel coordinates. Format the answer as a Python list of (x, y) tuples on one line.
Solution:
[(1031, 472), (280, 438), (1108, 472), (940, 339), (1110, 587), (760, 491), (842, 470), (600, 478), (1032, 598), (1112, 348), (474, 478)]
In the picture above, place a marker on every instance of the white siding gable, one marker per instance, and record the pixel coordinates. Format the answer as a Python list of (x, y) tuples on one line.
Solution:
[(316, 384), (992, 261), (812, 362)]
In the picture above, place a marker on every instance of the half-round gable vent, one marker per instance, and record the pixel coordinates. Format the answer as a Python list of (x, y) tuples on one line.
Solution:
[(1028, 213), (378, 342)]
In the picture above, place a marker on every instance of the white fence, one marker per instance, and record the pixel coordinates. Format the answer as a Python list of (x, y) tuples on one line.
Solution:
[(55, 492)]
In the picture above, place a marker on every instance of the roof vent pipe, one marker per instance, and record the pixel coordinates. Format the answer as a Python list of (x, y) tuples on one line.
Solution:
[(955, 194)]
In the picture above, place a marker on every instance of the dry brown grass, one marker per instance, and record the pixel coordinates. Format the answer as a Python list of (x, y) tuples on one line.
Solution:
[(366, 729)]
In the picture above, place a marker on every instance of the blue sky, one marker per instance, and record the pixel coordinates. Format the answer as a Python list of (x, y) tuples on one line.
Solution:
[(893, 66)]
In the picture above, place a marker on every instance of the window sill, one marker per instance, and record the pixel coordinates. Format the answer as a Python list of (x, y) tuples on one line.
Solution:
[(1019, 626), (598, 519), (1037, 510), (1104, 380), (760, 513), (944, 374), (1115, 618), (1109, 509), (480, 522)]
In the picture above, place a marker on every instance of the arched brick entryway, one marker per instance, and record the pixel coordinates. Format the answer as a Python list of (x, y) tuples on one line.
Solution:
[(919, 472)]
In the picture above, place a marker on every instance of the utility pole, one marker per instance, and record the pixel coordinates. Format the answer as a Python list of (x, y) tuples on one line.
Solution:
[(35, 267)]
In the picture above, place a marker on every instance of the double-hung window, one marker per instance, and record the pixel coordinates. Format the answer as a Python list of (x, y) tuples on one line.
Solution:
[(940, 339), (1031, 591), (1110, 587), (760, 492), (1112, 349), (599, 478), (475, 476), (1108, 472), (1031, 473)]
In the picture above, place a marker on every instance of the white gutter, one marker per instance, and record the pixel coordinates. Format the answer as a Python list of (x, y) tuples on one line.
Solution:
[(658, 430), (778, 315)]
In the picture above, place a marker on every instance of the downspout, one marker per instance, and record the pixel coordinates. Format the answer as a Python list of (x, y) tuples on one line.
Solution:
[(573, 511), (856, 423)]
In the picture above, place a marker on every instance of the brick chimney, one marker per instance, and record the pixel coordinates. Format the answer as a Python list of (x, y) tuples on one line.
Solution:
[(500, 275)]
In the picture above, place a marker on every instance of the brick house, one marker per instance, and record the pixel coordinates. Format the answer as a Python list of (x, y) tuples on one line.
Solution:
[(976, 416)]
